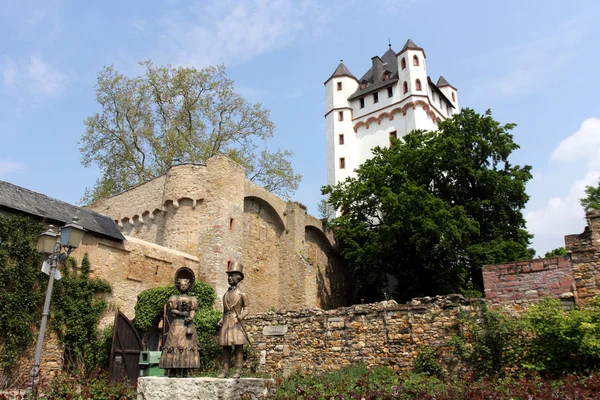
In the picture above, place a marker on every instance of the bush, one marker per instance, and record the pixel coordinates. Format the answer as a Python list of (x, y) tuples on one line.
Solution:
[(427, 362), (149, 312), (97, 387), (561, 340)]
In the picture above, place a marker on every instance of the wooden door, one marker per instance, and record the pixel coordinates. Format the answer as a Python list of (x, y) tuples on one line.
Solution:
[(125, 350)]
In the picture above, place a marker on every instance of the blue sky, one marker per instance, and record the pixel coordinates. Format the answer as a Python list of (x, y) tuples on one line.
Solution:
[(532, 63)]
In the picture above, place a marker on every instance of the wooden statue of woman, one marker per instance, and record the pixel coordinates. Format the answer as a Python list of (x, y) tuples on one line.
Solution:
[(180, 352), (235, 309)]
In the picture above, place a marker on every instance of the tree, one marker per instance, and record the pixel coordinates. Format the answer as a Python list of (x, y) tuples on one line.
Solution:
[(433, 208), (176, 115), (592, 200), (559, 251)]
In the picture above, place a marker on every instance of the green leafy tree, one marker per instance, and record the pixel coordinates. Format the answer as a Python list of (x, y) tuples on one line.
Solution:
[(433, 208), (77, 307), (176, 114), (22, 288), (592, 199), (559, 251)]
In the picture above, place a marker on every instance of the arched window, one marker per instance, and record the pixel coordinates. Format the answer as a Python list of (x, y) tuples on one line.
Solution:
[(418, 85), (404, 87), (453, 98), (403, 63), (415, 60)]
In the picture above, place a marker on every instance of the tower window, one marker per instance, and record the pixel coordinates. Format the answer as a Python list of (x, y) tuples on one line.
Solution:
[(393, 135), (415, 61), (375, 98), (418, 85), (231, 224), (341, 139), (390, 92), (403, 63), (339, 86), (342, 163), (404, 87), (340, 115), (386, 76), (362, 102), (447, 109), (453, 98)]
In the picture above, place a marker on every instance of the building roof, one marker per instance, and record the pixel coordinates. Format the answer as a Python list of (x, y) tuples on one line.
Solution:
[(410, 45), (17, 198), (436, 88), (341, 70), (443, 82), (390, 64)]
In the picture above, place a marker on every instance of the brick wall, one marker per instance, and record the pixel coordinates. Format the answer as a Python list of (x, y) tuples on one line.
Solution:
[(529, 280)]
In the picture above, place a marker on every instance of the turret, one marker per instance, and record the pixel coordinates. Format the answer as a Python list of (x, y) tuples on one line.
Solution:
[(449, 91), (412, 70), (338, 116)]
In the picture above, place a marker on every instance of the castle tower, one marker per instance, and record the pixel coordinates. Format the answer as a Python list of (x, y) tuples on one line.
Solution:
[(338, 116), (394, 97)]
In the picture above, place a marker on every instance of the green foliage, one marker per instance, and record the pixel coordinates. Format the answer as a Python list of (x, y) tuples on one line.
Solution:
[(427, 362), (149, 311), (150, 303), (433, 208), (96, 387), (76, 312), (592, 199), (491, 344), (560, 251), (185, 114), (22, 287), (564, 341)]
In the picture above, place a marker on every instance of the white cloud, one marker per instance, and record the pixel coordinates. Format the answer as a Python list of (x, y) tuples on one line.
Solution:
[(35, 77), (8, 167), (564, 215), (585, 143), (229, 31), (45, 78)]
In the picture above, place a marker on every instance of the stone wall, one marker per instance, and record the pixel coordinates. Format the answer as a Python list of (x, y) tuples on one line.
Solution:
[(529, 280), (214, 214), (584, 250), (384, 334)]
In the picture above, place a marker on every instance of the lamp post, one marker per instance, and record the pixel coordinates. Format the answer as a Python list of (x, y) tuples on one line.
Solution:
[(50, 244)]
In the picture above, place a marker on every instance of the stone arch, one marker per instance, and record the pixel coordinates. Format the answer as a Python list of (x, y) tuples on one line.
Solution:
[(265, 204)]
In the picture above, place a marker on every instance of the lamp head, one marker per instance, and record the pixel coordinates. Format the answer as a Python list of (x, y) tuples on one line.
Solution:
[(71, 234), (46, 241)]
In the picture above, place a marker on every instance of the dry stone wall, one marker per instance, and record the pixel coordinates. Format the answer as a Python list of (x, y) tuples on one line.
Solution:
[(584, 250), (378, 334)]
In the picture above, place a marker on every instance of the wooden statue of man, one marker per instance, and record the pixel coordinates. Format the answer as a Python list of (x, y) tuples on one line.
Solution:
[(235, 309)]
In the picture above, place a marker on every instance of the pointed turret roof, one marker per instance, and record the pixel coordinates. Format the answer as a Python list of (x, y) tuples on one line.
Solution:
[(443, 82), (341, 70), (410, 45), (390, 64)]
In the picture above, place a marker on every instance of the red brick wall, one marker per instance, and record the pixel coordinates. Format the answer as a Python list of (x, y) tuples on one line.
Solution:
[(529, 280)]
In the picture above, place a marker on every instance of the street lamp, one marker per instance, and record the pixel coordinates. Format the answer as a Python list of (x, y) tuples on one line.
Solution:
[(50, 244)]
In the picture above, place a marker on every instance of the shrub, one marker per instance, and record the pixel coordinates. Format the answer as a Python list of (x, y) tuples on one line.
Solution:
[(427, 362), (149, 312), (563, 341)]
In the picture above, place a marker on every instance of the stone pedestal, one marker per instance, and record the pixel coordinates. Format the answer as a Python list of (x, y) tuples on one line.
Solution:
[(161, 388)]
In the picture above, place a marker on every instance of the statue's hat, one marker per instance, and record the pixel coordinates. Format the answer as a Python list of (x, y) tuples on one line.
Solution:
[(235, 266), (186, 273)]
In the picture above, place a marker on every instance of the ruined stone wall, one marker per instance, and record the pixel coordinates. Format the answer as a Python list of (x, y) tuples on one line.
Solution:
[(378, 334), (529, 280), (584, 250)]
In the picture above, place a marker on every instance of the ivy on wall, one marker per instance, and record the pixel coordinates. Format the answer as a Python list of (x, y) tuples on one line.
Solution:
[(149, 312), (77, 308), (22, 288)]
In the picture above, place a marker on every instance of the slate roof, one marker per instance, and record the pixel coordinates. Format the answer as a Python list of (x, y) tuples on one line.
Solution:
[(14, 197), (341, 70), (410, 45), (443, 82), (390, 63)]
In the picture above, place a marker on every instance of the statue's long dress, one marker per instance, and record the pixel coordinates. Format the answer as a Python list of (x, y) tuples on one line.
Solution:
[(234, 301), (180, 349)]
